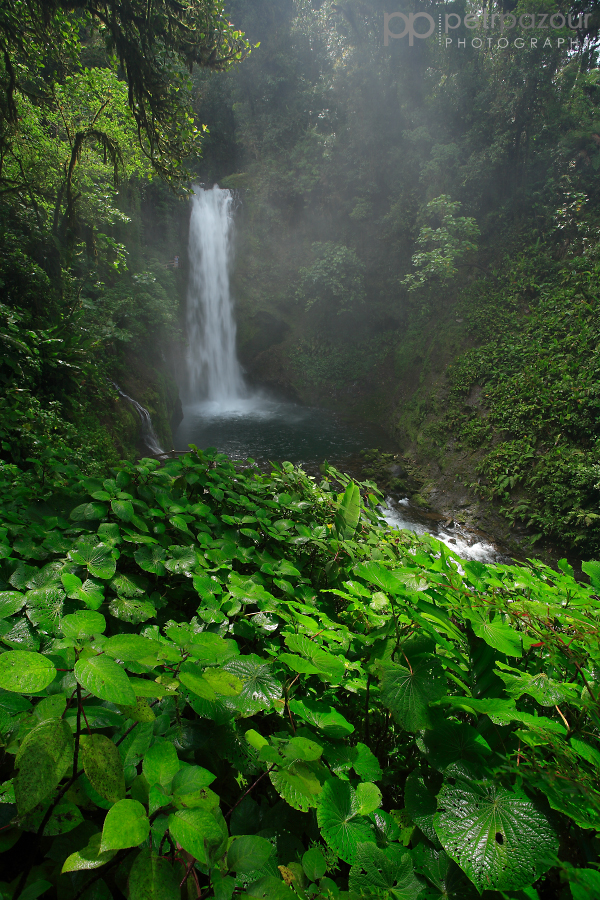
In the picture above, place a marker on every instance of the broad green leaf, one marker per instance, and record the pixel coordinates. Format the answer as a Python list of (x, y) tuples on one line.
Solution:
[(192, 676), (51, 707), (88, 858), (82, 624), (136, 744), (592, 569), (450, 741), (298, 664), (223, 683), (179, 523), (21, 576), (132, 647), (103, 678), (584, 883), (211, 649), (190, 785), (126, 825), (89, 592), (22, 636), (298, 784), (377, 872), (140, 712), (368, 797), (447, 881), (24, 672), (330, 667), (543, 689), (223, 886), (210, 684), (259, 684), (420, 804), (151, 559), (586, 751), (340, 821), (153, 878), (248, 853), (198, 831), (97, 558), (109, 532), (143, 687), (407, 692), (387, 828), (182, 559), (44, 608), (129, 585), (350, 506), (497, 633), (44, 756), (88, 511), (321, 716), (572, 797), (65, 817), (342, 758), (10, 603), (269, 888), (123, 509), (160, 764), (301, 748), (12, 704), (103, 766), (205, 586), (499, 838), (314, 864), (132, 609), (503, 712), (382, 578)]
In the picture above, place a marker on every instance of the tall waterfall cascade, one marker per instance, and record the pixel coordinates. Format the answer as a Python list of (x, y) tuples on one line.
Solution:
[(213, 371)]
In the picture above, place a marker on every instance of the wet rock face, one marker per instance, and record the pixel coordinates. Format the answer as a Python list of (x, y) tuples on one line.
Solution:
[(271, 369), (176, 415), (392, 473)]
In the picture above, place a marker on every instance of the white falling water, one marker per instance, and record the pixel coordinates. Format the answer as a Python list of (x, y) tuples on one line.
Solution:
[(149, 436), (213, 370)]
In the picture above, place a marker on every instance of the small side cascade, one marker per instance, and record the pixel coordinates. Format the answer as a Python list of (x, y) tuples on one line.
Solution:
[(149, 436)]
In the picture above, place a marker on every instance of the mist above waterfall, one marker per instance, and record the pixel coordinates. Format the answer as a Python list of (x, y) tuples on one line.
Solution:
[(212, 368)]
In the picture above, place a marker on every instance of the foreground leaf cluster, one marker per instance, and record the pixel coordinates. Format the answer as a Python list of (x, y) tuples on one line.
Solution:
[(220, 683)]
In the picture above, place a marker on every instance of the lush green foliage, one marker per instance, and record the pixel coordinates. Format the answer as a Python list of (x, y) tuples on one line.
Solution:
[(152, 43), (335, 278), (244, 684), (95, 101), (537, 422), (444, 245)]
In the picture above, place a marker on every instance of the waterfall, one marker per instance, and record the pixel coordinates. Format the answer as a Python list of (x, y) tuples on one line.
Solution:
[(149, 436), (213, 370)]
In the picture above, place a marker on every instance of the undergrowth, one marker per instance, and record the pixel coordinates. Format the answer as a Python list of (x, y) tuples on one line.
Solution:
[(218, 683)]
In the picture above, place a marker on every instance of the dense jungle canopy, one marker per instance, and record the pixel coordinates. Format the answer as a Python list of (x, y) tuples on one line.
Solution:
[(220, 679)]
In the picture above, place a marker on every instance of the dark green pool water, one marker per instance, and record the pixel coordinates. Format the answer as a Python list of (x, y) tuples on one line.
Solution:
[(263, 428)]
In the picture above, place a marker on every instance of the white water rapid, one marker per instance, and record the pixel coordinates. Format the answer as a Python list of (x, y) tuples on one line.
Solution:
[(213, 371)]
